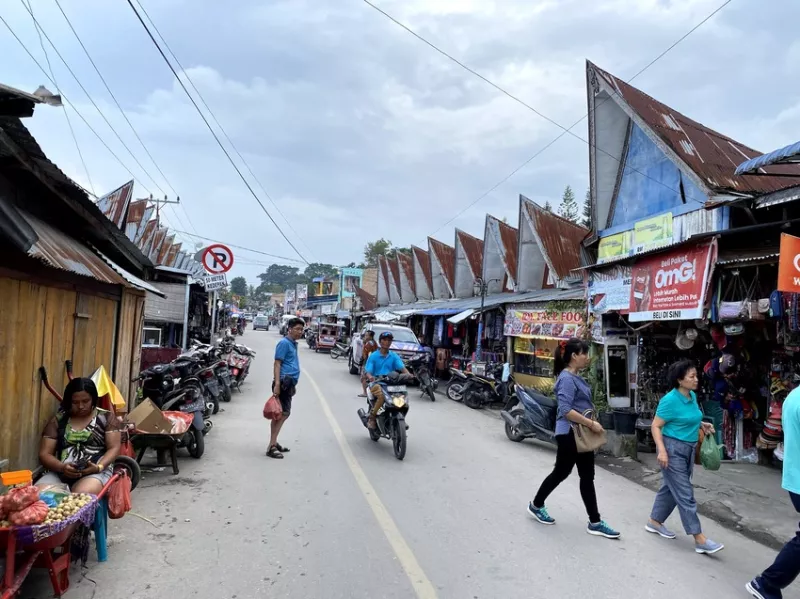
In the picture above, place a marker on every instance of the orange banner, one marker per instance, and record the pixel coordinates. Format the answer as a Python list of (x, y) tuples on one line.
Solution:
[(789, 264)]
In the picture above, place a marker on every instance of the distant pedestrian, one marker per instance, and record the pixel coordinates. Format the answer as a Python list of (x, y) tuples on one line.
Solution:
[(574, 398), (286, 375), (369, 345), (676, 429), (786, 566)]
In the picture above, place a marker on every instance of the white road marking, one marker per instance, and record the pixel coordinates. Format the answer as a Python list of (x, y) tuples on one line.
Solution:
[(422, 586)]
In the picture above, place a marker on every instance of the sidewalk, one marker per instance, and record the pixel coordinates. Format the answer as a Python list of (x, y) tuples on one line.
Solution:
[(747, 498)]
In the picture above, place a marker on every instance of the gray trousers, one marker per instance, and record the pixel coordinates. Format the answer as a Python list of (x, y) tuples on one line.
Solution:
[(676, 486)]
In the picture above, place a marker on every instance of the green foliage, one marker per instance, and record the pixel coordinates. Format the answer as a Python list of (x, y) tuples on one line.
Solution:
[(586, 221), (239, 286), (548, 206), (373, 249), (594, 376), (569, 206), (317, 269)]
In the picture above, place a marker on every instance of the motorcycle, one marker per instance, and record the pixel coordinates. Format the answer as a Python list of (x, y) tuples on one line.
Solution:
[(391, 417), (531, 415), (480, 391), (419, 367), (192, 371), (158, 384), (211, 356), (239, 358), (455, 385), (339, 349)]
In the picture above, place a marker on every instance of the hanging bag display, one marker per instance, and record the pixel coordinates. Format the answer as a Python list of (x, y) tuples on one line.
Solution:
[(735, 304)]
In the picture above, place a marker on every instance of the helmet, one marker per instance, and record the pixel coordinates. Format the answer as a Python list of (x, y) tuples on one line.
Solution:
[(386, 335)]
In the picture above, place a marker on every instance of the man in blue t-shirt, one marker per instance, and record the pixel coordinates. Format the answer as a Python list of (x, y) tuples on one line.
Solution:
[(285, 376), (786, 566), (381, 363)]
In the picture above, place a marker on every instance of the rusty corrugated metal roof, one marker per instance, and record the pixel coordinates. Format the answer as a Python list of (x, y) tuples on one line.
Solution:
[(382, 264), (424, 261), (446, 255), (473, 248), (165, 249), (711, 155), (407, 264), (114, 205), (172, 255), (510, 238), (559, 239), (394, 268), (368, 301), (136, 212), (145, 242), (158, 240)]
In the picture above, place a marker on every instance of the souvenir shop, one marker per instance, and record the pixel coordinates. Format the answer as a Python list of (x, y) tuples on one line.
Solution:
[(534, 331)]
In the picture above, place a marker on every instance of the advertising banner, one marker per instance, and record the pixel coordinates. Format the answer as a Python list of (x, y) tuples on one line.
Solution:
[(541, 323), (613, 247), (302, 292), (651, 233), (789, 264), (671, 286), (610, 289)]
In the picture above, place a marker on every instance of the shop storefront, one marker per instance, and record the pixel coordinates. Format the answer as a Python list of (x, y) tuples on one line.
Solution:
[(534, 332)]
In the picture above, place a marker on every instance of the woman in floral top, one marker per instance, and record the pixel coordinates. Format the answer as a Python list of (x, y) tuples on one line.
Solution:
[(79, 444)]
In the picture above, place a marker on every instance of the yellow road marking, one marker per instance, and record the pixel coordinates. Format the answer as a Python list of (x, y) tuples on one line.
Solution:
[(422, 586)]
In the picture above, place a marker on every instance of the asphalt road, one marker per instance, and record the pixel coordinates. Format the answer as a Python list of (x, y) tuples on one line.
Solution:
[(340, 517)]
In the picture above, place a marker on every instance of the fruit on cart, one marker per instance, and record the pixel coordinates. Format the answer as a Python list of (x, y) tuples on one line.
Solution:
[(21, 497), (68, 507), (35, 513)]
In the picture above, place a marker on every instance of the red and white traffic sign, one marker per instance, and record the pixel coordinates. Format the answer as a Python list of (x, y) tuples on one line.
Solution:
[(217, 259)]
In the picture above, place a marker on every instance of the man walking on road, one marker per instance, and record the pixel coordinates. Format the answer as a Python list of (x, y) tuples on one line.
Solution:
[(286, 374), (786, 566)]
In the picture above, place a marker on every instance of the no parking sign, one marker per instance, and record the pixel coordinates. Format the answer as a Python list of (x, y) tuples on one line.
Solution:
[(217, 259)]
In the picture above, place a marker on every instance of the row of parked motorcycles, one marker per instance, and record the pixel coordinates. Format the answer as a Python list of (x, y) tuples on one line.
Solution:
[(196, 382)]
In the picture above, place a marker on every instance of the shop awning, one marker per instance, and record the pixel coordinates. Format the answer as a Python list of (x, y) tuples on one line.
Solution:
[(788, 155), (438, 312), (461, 316)]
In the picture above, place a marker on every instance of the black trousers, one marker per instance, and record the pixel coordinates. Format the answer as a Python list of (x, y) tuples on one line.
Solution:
[(787, 565), (567, 457)]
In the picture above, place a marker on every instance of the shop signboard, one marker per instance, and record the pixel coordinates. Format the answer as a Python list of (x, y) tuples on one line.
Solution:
[(610, 289), (671, 286), (543, 323), (652, 233), (613, 247), (302, 292), (789, 264)]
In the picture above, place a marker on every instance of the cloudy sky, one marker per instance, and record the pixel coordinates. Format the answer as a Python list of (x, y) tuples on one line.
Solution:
[(358, 130)]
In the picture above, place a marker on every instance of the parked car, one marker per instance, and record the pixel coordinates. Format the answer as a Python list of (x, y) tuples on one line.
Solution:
[(261, 322), (405, 342)]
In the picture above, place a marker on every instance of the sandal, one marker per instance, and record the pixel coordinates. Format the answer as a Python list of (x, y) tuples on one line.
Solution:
[(281, 448), (273, 452)]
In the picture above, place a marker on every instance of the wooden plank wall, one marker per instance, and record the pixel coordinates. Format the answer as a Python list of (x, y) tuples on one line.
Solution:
[(129, 342), (42, 325)]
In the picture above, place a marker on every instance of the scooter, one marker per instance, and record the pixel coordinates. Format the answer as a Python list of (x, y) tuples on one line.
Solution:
[(455, 385), (391, 418), (480, 391), (339, 349), (192, 370), (532, 415), (419, 367)]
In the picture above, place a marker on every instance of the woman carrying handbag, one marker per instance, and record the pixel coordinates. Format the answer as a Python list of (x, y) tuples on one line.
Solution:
[(574, 412)]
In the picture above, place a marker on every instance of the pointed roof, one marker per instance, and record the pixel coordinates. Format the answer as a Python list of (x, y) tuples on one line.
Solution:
[(114, 205), (368, 301), (406, 263), (424, 262), (510, 237), (711, 156), (559, 239), (384, 270), (473, 248), (446, 255), (394, 268)]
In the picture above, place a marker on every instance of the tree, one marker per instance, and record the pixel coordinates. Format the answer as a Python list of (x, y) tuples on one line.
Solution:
[(239, 286), (392, 253), (282, 276), (586, 221), (317, 269), (548, 206), (373, 249), (569, 207)]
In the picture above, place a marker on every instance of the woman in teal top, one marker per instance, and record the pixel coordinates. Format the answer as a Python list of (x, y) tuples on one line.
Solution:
[(675, 429)]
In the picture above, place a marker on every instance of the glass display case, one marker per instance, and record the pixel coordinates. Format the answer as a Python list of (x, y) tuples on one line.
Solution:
[(534, 356)]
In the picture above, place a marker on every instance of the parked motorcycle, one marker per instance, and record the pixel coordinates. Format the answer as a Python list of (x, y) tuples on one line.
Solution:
[(212, 356), (419, 366), (192, 371), (531, 415), (455, 386), (158, 384), (391, 417), (239, 358), (339, 349), (480, 391)]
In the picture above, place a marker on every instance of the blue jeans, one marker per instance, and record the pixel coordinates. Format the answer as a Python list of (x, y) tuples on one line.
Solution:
[(676, 486), (786, 566)]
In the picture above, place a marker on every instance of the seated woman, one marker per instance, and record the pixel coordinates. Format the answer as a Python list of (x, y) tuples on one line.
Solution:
[(81, 442)]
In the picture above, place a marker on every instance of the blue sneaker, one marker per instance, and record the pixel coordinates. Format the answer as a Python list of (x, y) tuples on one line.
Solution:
[(540, 513), (756, 589), (659, 530), (601, 529), (709, 547)]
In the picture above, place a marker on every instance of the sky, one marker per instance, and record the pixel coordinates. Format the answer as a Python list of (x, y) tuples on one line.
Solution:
[(357, 130)]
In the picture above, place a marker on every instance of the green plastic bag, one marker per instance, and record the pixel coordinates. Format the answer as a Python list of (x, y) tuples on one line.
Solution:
[(709, 453)]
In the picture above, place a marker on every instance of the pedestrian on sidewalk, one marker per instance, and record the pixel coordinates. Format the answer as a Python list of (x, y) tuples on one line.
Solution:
[(369, 346), (676, 429), (286, 375), (574, 398), (786, 566)]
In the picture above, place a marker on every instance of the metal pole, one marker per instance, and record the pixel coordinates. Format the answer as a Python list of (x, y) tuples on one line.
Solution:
[(186, 318), (479, 344), (213, 316)]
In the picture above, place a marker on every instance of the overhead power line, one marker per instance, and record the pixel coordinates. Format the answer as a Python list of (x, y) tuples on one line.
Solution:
[(124, 114), (221, 128), (241, 247), (213, 133), (565, 130)]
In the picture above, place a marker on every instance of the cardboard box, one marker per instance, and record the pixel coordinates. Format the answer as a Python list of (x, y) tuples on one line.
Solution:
[(149, 419)]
